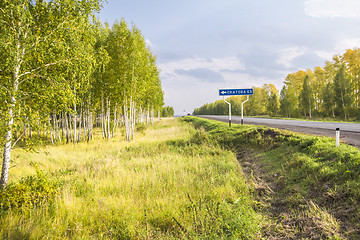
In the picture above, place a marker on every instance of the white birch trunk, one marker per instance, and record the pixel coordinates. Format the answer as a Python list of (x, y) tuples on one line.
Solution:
[(152, 116), (85, 124), (70, 129), (108, 119), (126, 121), (115, 121), (7, 146), (10, 121), (67, 128), (51, 132), (75, 116), (80, 119), (102, 115), (133, 118), (141, 116), (148, 115)]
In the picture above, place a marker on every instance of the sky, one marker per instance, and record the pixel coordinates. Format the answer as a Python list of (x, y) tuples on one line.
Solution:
[(206, 45)]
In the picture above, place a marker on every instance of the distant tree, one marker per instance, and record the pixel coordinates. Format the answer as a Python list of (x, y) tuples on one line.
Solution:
[(306, 99), (167, 111), (329, 100), (342, 89), (285, 104), (273, 105), (257, 102), (317, 85), (272, 99)]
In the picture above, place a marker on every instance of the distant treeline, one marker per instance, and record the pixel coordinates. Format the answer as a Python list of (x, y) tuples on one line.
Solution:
[(167, 111), (330, 91)]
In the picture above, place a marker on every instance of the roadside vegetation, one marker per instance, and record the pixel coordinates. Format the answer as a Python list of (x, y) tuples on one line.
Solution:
[(305, 187), (170, 182), (185, 179)]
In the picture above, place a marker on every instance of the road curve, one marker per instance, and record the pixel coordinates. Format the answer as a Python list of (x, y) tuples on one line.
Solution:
[(349, 132)]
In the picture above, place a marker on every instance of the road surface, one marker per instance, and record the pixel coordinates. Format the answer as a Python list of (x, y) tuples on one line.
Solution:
[(349, 132)]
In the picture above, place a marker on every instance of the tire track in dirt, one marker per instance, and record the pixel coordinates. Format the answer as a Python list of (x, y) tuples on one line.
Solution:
[(284, 220)]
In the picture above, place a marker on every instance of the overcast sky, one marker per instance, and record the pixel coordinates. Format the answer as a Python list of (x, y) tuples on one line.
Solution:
[(204, 45)]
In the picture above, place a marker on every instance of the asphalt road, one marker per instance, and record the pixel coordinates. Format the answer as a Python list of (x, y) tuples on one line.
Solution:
[(349, 132)]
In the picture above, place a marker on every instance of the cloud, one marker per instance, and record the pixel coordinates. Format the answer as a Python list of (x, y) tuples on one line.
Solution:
[(192, 65), (300, 58), (261, 62), (308, 60), (348, 43), (340, 47), (203, 74), (148, 43), (333, 8), (287, 55)]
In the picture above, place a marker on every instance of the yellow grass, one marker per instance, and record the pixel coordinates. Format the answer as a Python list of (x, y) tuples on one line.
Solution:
[(148, 188)]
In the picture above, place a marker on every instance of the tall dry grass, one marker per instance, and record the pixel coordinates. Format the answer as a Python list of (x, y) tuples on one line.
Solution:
[(171, 182)]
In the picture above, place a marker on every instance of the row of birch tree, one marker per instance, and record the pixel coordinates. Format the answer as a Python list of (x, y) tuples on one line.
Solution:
[(62, 73), (332, 91)]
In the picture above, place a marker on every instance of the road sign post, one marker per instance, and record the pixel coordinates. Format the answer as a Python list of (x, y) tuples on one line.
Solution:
[(242, 110), (229, 111), (231, 92)]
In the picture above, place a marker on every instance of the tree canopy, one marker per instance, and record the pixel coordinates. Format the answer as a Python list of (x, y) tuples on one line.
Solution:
[(63, 72)]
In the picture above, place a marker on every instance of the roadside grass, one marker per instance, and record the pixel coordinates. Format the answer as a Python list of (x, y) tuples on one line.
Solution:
[(305, 186), (171, 182)]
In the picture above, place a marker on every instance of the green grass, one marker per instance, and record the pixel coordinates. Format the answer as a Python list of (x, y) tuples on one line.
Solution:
[(316, 184), (171, 182), (175, 181)]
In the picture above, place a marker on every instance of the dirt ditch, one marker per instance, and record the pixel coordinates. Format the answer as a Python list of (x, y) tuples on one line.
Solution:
[(300, 218)]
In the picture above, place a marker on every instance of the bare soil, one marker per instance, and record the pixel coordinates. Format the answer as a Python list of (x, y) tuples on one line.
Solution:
[(285, 219)]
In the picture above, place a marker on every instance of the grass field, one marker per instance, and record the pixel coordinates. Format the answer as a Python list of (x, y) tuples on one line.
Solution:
[(171, 182), (181, 179)]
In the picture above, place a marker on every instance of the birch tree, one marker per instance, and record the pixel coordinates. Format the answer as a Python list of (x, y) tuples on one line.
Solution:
[(306, 98), (342, 89), (31, 39)]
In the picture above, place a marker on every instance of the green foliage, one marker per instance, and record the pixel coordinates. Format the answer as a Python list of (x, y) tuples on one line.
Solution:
[(30, 192), (342, 89), (167, 111), (59, 67), (306, 98)]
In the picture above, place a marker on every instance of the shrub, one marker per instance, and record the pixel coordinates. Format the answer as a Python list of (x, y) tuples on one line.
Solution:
[(30, 192)]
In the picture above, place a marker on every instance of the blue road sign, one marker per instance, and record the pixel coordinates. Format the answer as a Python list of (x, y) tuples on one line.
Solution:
[(229, 92)]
